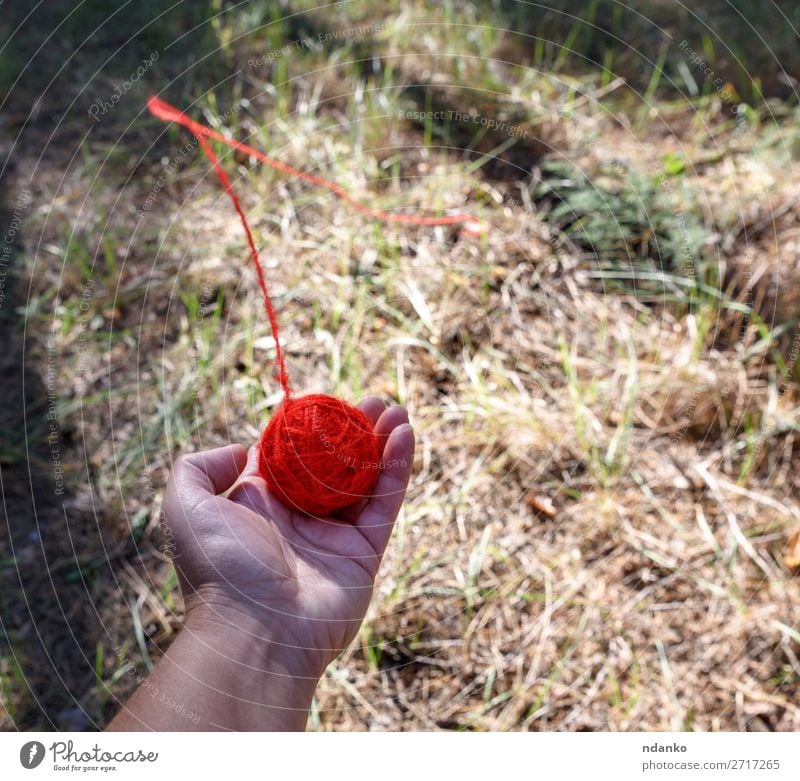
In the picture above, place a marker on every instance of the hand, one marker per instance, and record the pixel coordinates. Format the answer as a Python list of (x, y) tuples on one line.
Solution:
[(302, 582), (271, 595)]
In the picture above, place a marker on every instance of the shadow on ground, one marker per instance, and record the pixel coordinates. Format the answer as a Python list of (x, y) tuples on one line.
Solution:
[(55, 564)]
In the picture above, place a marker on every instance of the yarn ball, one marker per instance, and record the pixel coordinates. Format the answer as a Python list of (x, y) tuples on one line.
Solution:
[(319, 454)]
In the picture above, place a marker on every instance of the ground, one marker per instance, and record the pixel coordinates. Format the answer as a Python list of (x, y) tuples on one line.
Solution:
[(602, 527)]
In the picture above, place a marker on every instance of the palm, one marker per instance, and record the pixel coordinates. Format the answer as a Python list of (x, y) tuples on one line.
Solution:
[(310, 577)]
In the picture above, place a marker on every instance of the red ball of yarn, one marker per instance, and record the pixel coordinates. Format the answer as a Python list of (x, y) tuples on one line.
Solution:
[(319, 454)]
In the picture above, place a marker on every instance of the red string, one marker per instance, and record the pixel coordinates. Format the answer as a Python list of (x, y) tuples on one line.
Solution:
[(168, 113), (283, 377)]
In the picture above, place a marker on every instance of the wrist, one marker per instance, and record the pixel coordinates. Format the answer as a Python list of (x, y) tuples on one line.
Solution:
[(253, 642), (270, 681), (251, 638)]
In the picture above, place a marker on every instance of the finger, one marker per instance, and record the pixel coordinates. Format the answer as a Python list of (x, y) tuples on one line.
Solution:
[(372, 407), (389, 420), (197, 475), (378, 516), (251, 492), (251, 468)]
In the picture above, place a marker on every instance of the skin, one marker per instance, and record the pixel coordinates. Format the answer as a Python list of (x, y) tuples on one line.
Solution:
[(272, 595)]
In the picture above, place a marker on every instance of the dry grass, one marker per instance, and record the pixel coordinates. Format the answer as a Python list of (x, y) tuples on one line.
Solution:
[(606, 480)]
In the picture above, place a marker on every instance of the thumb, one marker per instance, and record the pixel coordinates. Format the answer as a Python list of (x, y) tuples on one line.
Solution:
[(209, 472)]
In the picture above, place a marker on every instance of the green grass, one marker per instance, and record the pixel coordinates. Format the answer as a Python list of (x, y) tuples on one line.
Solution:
[(627, 219), (642, 43)]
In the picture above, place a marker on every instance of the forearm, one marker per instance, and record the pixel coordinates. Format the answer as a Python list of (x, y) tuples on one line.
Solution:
[(223, 673)]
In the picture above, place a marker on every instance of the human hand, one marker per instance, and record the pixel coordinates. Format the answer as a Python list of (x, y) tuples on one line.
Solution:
[(303, 584)]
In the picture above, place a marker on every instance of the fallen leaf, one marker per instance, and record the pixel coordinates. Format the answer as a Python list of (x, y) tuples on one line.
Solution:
[(541, 504), (791, 556)]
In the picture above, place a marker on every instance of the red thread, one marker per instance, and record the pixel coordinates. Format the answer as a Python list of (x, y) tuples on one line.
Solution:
[(317, 454), (168, 113)]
